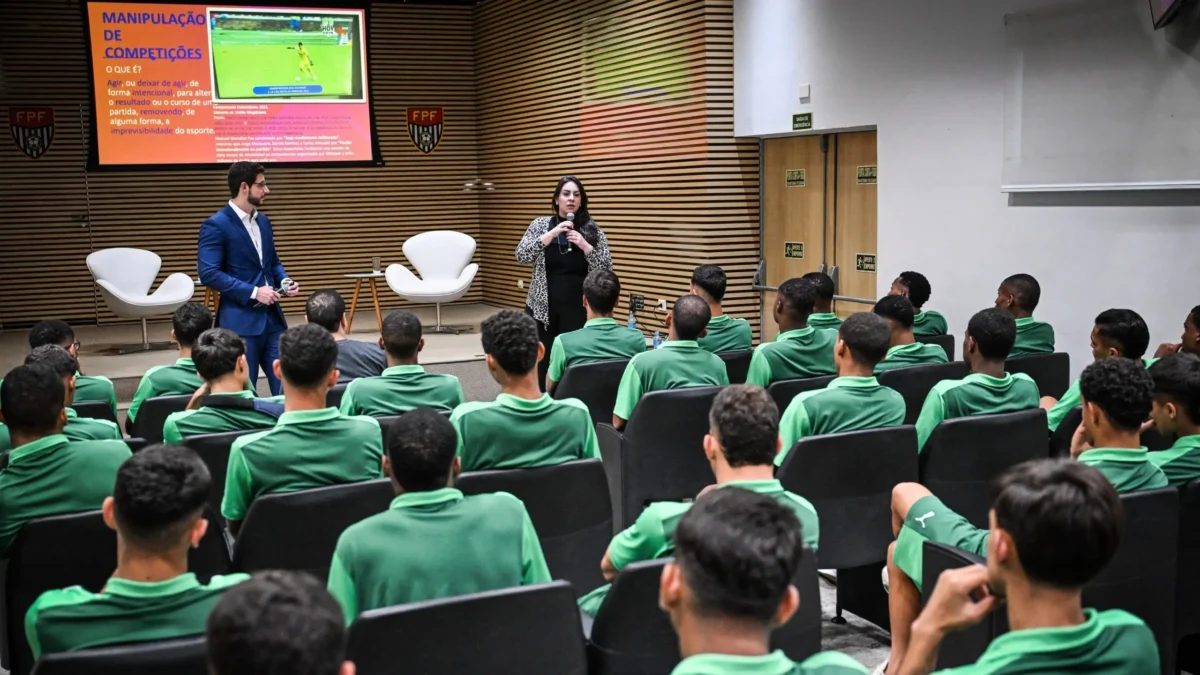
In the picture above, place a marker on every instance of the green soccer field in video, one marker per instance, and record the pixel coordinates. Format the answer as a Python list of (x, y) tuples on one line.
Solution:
[(244, 60)]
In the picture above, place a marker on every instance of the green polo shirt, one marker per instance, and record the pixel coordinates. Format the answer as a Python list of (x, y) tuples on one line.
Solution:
[(601, 339), (305, 449), (975, 394), (727, 334), (55, 475), (1181, 462), (678, 364), (914, 354), (213, 420), (516, 433), (1128, 469), (96, 388), (123, 612), (400, 389), (775, 663), (846, 404), (180, 378), (1072, 399), (1111, 642), (928, 324), (1033, 337), (77, 429), (435, 544), (652, 535), (822, 320), (795, 354)]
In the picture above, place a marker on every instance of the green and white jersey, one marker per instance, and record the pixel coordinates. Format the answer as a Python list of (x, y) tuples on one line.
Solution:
[(677, 365), (846, 404), (1128, 469), (795, 354), (517, 433), (601, 339), (180, 378), (214, 420), (1033, 337), (727, 334), (775, 663), (1071, 399), (824, 320), (975, 394), (914, 354), (1181, 462), (401, 389), (929, 324)]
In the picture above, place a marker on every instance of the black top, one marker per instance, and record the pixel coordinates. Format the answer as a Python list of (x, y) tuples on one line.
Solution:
[(565, 272)]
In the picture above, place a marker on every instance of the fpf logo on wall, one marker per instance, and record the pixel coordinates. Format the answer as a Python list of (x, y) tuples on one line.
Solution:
[(32, 129), (425, 127)]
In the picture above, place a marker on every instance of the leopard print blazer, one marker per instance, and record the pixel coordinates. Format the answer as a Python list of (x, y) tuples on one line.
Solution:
[(531, 252)]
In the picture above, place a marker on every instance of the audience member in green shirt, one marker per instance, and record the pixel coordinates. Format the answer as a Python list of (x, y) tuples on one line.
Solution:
[(1054, 526), (725, 333), (60, 362), (799, 351), (903, 348), (822, 316), (1189, 342), (915, 287), (187, 323), (854, 400), (87, 388), (1019, 295), (433, 542), (404, 384), (680, 363), (279, 622), (730, 585), (156, 508), (601, 338), (1176, 414)]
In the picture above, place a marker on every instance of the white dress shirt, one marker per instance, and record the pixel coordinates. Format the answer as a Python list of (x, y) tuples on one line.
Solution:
[(250, 222)]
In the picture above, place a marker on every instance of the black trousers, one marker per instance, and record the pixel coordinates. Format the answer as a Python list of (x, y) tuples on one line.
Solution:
[(564, 318)]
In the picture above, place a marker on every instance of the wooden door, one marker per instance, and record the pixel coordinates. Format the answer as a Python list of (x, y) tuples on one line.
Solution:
[(855, 231)]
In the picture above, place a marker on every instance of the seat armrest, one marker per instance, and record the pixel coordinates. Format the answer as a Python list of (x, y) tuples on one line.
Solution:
[(610, 441)]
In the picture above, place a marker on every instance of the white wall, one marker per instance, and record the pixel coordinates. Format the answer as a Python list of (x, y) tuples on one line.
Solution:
[(930, 75)]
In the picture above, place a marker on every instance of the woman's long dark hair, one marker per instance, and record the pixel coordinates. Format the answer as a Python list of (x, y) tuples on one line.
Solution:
[(583, 220)]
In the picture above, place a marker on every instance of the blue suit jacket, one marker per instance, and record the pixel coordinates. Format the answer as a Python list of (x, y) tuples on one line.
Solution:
[(228, 262)]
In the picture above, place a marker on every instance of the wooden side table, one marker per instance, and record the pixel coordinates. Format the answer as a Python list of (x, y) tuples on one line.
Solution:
[(359, 278)]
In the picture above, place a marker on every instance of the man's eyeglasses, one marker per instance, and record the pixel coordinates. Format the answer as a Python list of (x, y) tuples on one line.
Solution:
[(260, 184)]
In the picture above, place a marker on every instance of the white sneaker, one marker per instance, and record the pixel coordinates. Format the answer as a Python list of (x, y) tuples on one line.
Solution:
[(881, 668)]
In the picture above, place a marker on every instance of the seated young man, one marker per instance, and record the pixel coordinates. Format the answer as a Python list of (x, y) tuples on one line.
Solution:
[(1118, 332), (1019, 296), (47, 473), (1176, 414), (854, 400), (187, 323), (156, 508), (822, 316), (741, 445), (988, 390), (404, 384), (222, 402), (1189, 342), (601, 338), (61, 363), (87, 387), (903, 348), (356, 358), (1117, 395), (433, 542), (915, 287), (523, 428), (1054, 525), (730, 585), (799, 350), (311, 445), (725, 333), (680, 363)]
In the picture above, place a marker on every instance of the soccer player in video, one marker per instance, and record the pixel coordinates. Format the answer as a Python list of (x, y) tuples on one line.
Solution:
[(306, 63)]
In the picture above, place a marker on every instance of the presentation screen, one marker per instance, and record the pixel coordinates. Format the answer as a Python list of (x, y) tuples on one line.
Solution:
[(200, 84)]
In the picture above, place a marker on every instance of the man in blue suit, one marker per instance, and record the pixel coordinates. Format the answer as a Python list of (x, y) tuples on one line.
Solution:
[(236, 257)]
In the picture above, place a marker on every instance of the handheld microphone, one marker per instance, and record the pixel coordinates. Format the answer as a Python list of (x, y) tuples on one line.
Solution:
[(570, 219)]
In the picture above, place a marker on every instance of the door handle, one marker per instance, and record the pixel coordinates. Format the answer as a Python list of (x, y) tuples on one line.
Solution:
[(833, 274)]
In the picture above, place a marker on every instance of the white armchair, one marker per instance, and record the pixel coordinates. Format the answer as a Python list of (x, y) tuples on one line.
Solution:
[(441, 258), (124, 276)]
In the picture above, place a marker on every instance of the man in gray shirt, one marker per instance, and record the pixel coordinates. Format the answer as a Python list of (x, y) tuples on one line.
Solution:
[(356, 358)]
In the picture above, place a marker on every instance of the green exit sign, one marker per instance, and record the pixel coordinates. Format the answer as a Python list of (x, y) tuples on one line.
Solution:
[(793, 249), (802, 121)]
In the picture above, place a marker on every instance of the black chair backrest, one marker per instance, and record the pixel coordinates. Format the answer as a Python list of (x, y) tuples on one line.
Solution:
[(214, 450), (136, 444), (737, 365), (185, 656), (99, 410), (1187, 582), (570, 509), (1052, 372), (914, 383), (964, 455), (595, 384), (299, 530), (849, 479), (961, 647), (528, 629), (783, 391), (153, 414), (212, 556), (946, 342), (333, 397)]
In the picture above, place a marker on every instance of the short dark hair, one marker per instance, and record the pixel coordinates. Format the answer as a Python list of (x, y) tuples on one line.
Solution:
[(896, 308), (511, 337), (243, 172), (738, 551), (822, 285), (745, 420), (1026, 290), (55, 359), (401, 332), (602, 290), (307, 354), (1122, 389), (1126, 329), (691, 316), (918, 286), (867, 336), (421, 446), (994, 331), (710, 279), (276, 623), (189, 321), (160, 492), (325, 308), (1194, 315), (216, 352), (1177, 378), (32, 399), (799, 297), (1064, 516), (51, 332)]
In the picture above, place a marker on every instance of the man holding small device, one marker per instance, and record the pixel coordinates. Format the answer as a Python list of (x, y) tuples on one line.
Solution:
[(236, 257)]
